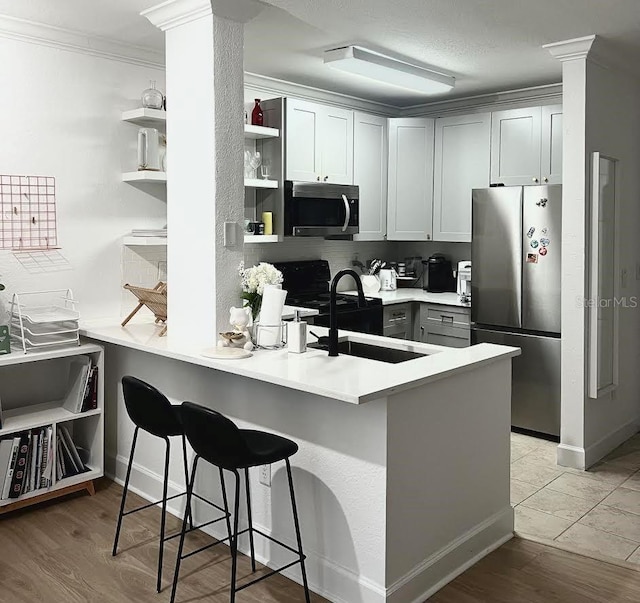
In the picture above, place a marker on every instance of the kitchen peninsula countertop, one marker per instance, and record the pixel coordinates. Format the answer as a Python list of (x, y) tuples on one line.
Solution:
[(404, 295), (347, 378)]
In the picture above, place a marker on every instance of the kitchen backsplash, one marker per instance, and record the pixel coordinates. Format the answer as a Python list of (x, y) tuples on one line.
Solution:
[(145, 266)]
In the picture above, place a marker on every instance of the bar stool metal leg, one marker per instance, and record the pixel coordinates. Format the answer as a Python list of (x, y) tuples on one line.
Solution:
[(234, 545), (124, 492), (226, 503), (186, 473), (163, 519), (253, 552), (187, 513), (297, 526)]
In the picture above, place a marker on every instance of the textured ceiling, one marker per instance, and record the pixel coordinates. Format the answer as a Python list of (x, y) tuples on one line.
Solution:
[(488, 45)]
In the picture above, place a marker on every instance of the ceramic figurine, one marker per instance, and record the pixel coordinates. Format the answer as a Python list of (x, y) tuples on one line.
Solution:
[(239, 337)]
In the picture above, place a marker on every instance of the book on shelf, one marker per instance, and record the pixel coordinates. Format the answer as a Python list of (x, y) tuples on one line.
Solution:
[(6, 488), (79, 373), (47, 458), (19, 471), (6, 446), (71, 458), (90, 400), (1, 418)]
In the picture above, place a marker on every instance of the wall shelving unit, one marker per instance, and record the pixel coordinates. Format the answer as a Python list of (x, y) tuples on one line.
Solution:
[(32, 389)]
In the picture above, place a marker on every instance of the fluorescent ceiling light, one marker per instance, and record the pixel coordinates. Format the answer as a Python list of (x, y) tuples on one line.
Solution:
[(384, 69)]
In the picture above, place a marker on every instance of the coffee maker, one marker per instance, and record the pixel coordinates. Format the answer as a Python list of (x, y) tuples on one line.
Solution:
[(439, 274), (464, 281)]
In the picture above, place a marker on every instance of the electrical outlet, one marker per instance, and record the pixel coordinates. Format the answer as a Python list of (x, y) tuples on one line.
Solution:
[(265, 475)]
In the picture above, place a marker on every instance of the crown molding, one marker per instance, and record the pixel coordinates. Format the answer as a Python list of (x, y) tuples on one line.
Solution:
[(570, 50), (174, 13), (522, 97), (285, 88), (75, 41)]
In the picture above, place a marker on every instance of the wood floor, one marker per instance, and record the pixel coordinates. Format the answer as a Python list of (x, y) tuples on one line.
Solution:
[(60, 552)]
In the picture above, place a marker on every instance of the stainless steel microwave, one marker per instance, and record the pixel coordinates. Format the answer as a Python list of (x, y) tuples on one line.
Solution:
[(319, 209)]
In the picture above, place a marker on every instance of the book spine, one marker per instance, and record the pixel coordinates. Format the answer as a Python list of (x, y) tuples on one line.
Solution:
[(20, 468), (45, 459), (12, 463)]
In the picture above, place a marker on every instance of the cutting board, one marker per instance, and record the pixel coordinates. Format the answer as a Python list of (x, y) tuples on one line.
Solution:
[(220, 353)]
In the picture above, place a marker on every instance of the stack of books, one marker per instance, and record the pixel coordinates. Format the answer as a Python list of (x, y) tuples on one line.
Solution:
[(82, 393), (27, 460)]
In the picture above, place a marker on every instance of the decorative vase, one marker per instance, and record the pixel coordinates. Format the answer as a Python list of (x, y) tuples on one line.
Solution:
[(151, 97), (257, 116)]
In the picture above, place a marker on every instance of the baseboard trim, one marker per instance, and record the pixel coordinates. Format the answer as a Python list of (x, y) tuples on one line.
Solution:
[(447, 564), (609, 442), (571, 456)]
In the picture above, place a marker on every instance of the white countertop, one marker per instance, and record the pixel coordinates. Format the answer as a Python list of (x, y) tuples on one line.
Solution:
[(408, 294), (347, 378)]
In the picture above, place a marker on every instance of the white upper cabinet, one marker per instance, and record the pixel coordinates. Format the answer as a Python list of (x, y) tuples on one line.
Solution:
[(370, 156), (319, 143), (551, 164), (526, 146), (410, 200), (515, 146), (303, 140), (462, 157)]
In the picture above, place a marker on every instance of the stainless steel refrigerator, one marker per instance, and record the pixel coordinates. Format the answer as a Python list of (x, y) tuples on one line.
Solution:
[(515, 293)]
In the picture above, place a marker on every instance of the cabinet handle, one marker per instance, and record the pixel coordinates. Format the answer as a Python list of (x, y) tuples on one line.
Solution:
[(428, 237), (422, 333), (445, 318), (534, 179), (545, 179), (325, 178), (318, 178)]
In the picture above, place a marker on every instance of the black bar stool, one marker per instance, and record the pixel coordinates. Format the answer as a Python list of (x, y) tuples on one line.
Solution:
[(218, 441), (152, 412)]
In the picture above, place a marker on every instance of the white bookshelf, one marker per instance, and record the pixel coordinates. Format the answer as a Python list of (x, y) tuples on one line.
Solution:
[(32, 388)]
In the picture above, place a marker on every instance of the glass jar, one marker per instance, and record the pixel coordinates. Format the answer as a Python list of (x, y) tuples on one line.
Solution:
[(151, 97)]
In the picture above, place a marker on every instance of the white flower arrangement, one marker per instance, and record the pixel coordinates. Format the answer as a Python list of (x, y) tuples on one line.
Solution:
[(254, 280)]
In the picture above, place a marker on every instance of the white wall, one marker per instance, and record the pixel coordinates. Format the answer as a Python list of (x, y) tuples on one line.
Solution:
[(60, 116), (613, 129)]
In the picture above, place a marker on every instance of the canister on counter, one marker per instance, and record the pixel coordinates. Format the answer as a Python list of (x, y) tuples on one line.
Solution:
[(267, 220)]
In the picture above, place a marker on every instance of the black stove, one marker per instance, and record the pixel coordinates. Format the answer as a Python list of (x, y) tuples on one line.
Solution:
[(307, 284)]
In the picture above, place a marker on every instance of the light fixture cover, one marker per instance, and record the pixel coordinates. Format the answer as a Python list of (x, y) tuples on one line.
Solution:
[(384, 69)]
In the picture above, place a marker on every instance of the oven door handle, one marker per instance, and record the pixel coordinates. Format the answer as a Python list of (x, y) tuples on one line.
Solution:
[(347, 208)]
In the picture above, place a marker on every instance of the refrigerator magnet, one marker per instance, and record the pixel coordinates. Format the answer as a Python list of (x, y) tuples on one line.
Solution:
[(532, 258), (544, 242), (531, 231), (543, 251), (534, 244)]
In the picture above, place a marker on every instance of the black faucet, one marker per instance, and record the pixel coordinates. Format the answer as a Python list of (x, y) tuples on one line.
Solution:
[(333, 315)]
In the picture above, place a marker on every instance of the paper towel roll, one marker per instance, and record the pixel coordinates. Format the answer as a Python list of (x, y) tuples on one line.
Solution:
[(270, 329), (267, 220)]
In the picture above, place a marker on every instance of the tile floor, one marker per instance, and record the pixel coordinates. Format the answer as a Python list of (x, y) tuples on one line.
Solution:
[(594, 511)]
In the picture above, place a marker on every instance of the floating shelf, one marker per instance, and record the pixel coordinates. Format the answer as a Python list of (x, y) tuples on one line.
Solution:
[(144, 176), (259, 132), (145, 117), (260, 183), (30, 417), (260, 238), (132, 241)]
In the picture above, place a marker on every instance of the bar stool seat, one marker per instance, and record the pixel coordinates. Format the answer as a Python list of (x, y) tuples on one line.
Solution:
[(217, 440)]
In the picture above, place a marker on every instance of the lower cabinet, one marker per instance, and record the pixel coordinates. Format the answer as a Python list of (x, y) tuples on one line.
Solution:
[(398, 321), (444, 325)]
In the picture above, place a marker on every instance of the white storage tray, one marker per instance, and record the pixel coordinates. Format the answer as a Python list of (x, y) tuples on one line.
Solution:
[(42, 314)]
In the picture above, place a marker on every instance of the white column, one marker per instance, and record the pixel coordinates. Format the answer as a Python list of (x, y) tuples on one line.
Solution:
[(575, 174), (205, 188)]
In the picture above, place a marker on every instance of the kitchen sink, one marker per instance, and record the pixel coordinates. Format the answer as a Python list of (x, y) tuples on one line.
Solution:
[(371, 352)]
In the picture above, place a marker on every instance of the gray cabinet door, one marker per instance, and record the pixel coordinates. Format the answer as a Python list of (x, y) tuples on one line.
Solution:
[(496, 255)]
